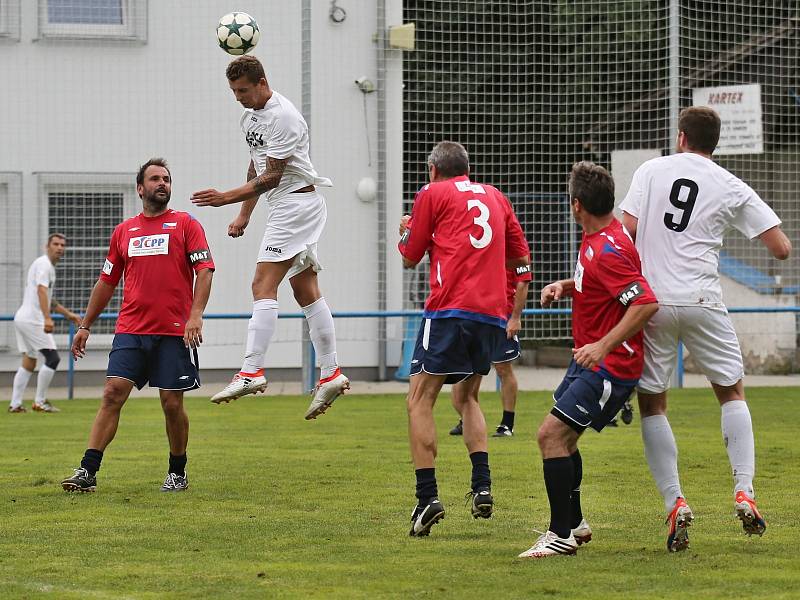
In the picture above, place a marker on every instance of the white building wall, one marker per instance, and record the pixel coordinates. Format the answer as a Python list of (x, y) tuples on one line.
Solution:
[(102, 107), (766, 339)]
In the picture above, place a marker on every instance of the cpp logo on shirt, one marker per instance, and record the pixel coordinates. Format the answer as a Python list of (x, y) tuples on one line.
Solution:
[(149, 245)]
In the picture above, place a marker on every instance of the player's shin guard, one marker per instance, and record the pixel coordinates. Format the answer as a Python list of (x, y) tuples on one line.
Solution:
[(259, 333), (558, 480), (737, 433), (21, 379), (575, 494), (43, 381), (323, 335), (662, 457)]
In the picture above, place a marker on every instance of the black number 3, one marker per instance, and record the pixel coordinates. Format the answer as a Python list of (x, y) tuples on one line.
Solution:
[(685, 205)]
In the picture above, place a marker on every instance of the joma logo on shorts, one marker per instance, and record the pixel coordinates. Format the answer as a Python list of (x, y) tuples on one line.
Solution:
[(272, 249)]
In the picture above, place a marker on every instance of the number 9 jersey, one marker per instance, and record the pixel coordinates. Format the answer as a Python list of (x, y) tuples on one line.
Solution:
[(684, 204), (469, 230)]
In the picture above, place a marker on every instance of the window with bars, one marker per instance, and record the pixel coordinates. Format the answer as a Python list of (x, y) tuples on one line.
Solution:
[(86, 215), (112, 19)]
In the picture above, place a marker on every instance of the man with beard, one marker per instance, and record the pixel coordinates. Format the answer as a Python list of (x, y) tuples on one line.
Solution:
[(160, 252)]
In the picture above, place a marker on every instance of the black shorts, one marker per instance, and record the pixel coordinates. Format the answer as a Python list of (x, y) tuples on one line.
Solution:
[(586, 399), (509, 350), (162, 360), (457, 348)]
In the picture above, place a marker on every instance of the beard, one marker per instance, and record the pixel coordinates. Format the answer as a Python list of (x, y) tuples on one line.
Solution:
[(158, 198)]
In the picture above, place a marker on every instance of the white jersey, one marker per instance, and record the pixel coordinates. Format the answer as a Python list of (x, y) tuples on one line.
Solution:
[(279, 131), (685, 203), (41, 272)]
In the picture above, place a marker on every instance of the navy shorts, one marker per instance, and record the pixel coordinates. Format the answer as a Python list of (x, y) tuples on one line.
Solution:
[(163, 360), (457, 348), (509, 350), (586, 399)]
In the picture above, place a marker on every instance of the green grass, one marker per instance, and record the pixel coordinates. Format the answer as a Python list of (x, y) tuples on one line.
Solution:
[(279, 507)]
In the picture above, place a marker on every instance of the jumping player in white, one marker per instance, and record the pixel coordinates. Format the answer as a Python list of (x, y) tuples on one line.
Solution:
[(678, 209), (280, 167)]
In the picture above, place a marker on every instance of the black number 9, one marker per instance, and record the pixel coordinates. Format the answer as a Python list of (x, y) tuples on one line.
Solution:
[(685, 205)]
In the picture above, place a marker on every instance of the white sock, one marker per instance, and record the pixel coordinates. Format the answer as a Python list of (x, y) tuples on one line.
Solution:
[(43, 383), (259, 332), (21, 379), (323, 336), (662, 457), (737, 433)]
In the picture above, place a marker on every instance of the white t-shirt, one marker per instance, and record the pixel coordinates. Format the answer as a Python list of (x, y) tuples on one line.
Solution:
[(41, 272), (280, 131), (685, 203)]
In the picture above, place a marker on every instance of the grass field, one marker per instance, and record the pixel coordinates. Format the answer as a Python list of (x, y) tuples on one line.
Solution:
[(280, 507)]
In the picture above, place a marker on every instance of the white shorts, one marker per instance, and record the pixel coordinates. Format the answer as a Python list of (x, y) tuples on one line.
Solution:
[(31, 338), (294, 226), (709, 336)]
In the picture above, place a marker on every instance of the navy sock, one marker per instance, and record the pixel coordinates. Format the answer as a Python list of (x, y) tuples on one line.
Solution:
[(91, 460), (481, 477), (558, 476), (508, 419), (575, 495), (426, 485), (177, 464)]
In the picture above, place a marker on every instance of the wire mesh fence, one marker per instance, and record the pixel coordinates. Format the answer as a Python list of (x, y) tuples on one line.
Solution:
[(529, 87)]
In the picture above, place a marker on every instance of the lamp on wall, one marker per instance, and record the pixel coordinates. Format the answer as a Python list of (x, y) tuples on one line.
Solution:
[(367, 189)]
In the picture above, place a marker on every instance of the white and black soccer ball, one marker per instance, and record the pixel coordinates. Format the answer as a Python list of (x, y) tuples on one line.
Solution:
[(237, 33)]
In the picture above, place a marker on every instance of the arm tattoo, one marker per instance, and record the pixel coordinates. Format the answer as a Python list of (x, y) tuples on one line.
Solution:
[(251, 171), (272, 177)]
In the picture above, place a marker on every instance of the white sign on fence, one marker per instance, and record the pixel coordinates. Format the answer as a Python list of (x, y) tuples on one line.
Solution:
[(739, 107)]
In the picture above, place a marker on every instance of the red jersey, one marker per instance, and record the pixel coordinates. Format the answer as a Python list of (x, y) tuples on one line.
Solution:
[(513, 277), (158, 257), (469, 230), (608, 279)]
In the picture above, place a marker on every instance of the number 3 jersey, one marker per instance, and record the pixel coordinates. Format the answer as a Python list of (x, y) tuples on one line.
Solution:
[(158, 256), (469, 230), (684, 204), (608, 279)]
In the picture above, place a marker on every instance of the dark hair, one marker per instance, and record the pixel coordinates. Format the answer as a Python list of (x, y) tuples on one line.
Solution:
[(701, 126), (593, 186), (153, 162), (245, 66), (55, 235), (450, 159)]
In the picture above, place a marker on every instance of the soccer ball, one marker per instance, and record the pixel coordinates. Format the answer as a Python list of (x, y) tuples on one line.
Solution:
[(237, 33)]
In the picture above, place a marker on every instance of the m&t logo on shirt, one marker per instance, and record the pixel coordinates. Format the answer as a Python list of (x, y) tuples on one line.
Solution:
[(148, 245)]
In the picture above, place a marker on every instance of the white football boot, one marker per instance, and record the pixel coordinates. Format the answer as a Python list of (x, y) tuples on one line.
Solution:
[(242, 384), (582, 533), (549, 544), (325, 392)]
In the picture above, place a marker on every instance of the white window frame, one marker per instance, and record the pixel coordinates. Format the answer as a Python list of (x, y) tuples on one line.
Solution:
[(12, 180), (133, 27), (9, 20), (115, 183)]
